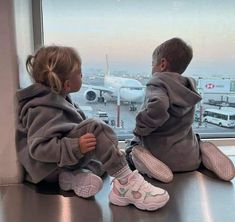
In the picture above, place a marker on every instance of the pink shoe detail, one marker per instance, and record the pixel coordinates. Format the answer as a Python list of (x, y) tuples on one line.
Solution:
[(84, 184), (138, 192), (146, 163), (214, 160)]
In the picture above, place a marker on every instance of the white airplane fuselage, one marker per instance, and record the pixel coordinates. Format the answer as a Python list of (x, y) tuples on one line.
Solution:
[(131, 90)]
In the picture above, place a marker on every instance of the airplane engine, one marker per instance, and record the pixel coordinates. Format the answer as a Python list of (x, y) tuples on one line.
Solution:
[(90, 95)]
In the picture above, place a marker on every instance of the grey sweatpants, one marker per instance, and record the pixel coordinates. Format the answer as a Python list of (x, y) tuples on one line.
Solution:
[(106, 151)]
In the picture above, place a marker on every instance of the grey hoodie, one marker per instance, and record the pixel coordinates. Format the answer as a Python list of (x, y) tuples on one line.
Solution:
[(44, 121), (164, 122)]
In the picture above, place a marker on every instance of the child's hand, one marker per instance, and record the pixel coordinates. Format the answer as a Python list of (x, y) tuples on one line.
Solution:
[(87, 143)]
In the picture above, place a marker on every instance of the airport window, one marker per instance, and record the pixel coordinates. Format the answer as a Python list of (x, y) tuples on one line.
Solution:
[(116, 38)]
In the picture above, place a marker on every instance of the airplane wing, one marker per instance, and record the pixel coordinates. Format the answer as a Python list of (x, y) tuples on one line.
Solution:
[(99, 88)]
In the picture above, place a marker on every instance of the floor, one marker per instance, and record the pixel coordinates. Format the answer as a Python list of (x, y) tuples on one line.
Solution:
[(194, 196)]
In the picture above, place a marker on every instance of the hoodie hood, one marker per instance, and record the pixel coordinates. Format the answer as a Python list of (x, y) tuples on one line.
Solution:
[(40, 95), (181, 91)]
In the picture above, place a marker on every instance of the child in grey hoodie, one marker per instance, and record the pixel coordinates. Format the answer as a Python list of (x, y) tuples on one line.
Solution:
[(55, 141), (165, 140)]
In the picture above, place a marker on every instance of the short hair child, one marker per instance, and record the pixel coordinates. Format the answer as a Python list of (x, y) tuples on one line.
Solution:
[(177, 52), (165, 141)]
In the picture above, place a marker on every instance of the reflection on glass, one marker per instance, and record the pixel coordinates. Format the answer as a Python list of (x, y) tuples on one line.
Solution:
[(127, 32)]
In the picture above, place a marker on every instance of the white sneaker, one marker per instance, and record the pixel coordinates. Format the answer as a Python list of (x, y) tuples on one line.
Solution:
[(84, 184), (214, 160), (138, 192), (146, 163)]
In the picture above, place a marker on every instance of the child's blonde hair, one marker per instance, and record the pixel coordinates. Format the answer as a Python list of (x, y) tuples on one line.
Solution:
[(177, 52), (53, 65)]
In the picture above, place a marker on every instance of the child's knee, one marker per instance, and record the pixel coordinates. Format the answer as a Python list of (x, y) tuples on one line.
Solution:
[(97, 121), (97, 124)]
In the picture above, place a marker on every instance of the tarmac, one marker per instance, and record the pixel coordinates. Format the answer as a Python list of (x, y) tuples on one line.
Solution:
[(127, 118)]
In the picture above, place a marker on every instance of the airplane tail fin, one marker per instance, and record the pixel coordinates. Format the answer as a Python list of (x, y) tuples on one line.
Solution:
[(107, 71)]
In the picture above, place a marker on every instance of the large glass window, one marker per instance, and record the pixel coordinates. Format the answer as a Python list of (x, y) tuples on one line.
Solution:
[(116, 38)]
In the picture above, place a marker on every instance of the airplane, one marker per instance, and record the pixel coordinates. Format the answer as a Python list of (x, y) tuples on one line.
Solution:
[(124, 89)]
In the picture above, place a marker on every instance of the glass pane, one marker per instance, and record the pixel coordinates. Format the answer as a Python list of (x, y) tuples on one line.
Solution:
[(116, 38)]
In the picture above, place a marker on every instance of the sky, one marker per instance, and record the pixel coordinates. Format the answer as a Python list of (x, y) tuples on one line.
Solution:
[(129, 30)]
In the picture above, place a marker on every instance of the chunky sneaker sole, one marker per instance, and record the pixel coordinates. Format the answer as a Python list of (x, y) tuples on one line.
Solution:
[(122, 201), (146, 163), (214, 160), (138, 192), (84, 184)]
